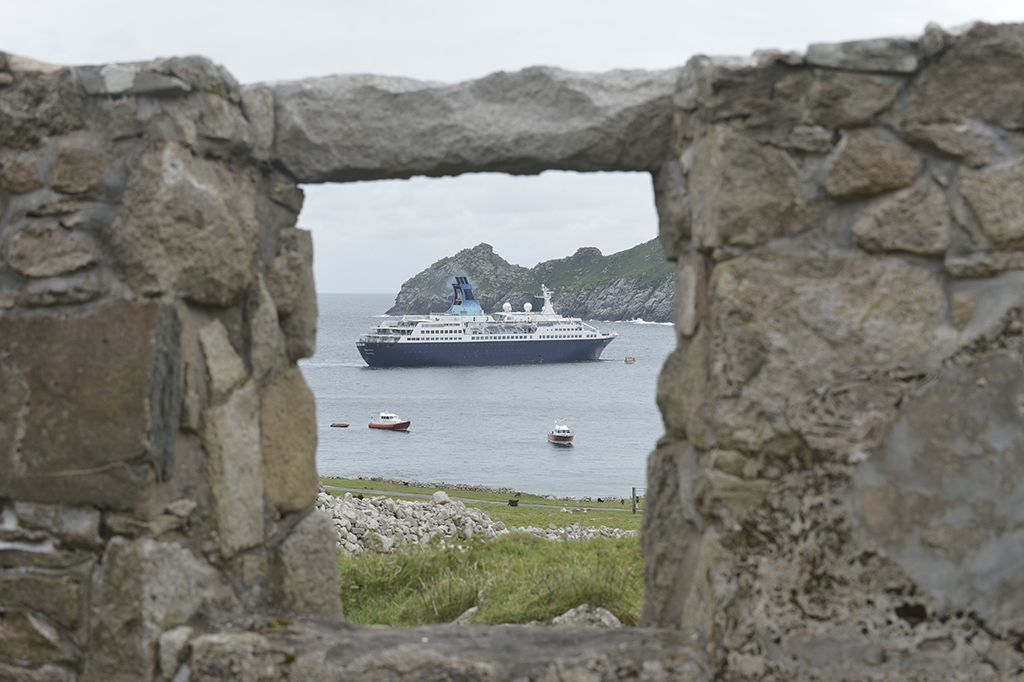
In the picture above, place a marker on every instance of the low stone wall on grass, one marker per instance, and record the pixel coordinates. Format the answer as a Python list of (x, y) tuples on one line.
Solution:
[(381, 524)]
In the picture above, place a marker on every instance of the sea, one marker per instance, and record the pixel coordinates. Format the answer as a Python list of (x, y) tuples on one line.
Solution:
[(488, 425)]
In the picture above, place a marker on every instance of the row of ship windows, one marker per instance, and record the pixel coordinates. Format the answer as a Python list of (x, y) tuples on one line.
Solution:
[(499, 338)]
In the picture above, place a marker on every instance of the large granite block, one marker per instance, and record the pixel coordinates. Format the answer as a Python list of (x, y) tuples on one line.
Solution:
[(89, 403)]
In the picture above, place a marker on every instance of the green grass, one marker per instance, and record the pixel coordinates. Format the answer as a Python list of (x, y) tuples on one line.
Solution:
[(515, 578), (611, 514)]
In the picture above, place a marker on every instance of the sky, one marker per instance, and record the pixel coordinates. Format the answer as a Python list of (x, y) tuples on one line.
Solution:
[(369, 237)]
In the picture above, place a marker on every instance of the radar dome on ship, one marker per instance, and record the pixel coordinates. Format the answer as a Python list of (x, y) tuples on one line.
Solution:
[(528, 307), (506, 306)]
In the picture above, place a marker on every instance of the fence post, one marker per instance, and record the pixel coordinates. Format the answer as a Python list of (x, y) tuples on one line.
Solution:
[(633, 499)]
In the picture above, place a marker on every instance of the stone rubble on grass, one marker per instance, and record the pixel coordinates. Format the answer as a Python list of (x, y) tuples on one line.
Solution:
[(381, 523), (587, 616)]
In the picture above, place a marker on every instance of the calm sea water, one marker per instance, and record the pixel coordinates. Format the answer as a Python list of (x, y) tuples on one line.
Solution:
[(487, 425)]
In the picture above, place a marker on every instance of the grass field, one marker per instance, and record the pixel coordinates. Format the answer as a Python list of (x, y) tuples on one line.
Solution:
[(515, 578), (611, 514)]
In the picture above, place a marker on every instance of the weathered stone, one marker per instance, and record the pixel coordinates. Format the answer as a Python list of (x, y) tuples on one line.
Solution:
[(673, 204), (24, 637), (681, 387), (76, 287), (235, 655), (671, 534), (38, 105), (832, 314), (44, 673), (128, 79), (443, 652), (174, 650), (19, 173), (587, 616), (731, 462), (810, 139), (186, 226), (182, 508), (258, 106), (976, 79), (61, 206), (942, 493), (76, 170), (341, 128), (288, 442), (224, 367), (743, 193), (264, 331), (231, 438), (995, 198), (869, 164), (75, 527), (934, 41), (891, 55), (216, 120), (688, 280), (288, 195), (973, 143), (143, 588), (698, 603), (80, 399), (290, 280), (983, 264), (915, 219), (738, 495), (961, 309), (821, 650), (848, 100), (45, 249), (58, 597), (307, 561)]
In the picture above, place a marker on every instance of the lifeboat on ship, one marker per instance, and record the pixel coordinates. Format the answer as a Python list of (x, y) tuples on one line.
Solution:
[(389, 421)]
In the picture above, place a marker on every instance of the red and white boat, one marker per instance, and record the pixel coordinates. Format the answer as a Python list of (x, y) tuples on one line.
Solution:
[(389, 421), (560, 434)]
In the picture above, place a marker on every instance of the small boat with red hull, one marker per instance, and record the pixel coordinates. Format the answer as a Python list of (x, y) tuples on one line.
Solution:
[(560, 434), (340, 426), (389, 421)]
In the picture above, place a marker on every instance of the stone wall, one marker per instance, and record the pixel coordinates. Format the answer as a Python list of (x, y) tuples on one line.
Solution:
[(839, 489), (156, 437), (837, 493)]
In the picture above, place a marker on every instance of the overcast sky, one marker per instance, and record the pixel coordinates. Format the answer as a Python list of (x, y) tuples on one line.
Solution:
[(371, 237)]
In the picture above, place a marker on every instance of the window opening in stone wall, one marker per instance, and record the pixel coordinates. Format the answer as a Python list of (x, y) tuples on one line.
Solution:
[(370, 239)]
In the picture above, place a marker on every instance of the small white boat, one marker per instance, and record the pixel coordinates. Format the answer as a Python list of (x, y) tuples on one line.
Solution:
[(560, 434), (389, 421), (630, 359)]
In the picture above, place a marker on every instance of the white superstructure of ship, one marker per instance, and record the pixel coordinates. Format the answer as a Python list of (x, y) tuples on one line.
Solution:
[(465, 335)]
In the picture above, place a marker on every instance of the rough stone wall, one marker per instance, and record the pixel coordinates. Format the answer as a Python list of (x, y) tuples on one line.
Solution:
[(838, 493), (156, 437)]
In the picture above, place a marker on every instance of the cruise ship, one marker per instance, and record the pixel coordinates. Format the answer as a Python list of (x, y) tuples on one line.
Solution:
[(464, 335)]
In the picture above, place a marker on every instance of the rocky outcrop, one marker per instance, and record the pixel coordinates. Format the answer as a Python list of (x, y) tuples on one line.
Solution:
[(359, 127), (382, 524), (630, 285)]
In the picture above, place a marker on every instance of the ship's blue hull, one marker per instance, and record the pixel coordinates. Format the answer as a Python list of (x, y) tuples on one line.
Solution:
[(453, 353)]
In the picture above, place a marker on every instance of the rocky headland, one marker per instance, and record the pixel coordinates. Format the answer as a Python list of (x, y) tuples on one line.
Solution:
[(634, 284)]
